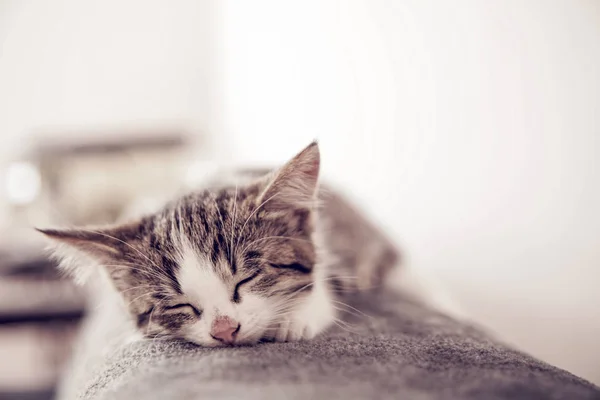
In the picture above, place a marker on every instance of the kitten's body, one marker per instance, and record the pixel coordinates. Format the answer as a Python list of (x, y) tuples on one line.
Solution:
[(257, 256)]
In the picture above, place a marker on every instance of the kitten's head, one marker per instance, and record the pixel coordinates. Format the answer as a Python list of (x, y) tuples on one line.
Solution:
[(214, 267)]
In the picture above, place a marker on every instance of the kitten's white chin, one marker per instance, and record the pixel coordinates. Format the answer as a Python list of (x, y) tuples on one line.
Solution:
[(313, 316)]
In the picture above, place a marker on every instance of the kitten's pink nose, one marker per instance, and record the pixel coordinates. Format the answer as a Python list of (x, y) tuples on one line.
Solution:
[(224, 329)]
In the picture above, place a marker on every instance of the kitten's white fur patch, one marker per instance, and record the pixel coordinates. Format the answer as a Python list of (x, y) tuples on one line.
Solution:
[(202, 286), (204, 290), (258, 316)]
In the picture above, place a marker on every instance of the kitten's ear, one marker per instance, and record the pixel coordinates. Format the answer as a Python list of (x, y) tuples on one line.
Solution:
[(295, 184), (77, 248)]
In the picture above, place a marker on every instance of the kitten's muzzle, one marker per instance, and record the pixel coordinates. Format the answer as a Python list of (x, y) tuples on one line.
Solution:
[(224, 329)]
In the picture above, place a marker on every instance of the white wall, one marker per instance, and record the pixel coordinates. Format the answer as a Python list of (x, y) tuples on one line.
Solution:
[(469, 128), (67, 64), (70, 68)]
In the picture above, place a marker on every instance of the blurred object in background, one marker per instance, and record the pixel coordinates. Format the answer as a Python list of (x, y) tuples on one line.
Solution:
[(88, 180), (92, 178), (39, 315)]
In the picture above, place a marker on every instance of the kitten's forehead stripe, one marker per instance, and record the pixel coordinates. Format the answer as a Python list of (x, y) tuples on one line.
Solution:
[(233, 264), (216, 249)]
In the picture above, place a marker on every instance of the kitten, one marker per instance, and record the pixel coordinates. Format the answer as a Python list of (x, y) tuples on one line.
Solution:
[(237, 263)]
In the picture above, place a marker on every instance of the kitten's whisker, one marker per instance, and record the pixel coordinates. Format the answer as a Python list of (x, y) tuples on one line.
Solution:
[(353, 290), (166, 296), (160, 275), (252, 323), (352, 308), (279, 308), (295, 292), (254, 328), (345, 323), (343, 310), (330, 277), (320, 280), (157, 291), (137, 298), (341, 325), (131, 267), (288, 309), (163, 294), (103, 303), (136, 287), (284, 308), (179, 219)]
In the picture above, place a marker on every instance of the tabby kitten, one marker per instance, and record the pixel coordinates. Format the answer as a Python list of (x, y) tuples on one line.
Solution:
[(234, 264)]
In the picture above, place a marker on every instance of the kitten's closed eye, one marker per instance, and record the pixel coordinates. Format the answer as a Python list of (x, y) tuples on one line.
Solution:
[(293, 266), (236, 295), (184, 307)]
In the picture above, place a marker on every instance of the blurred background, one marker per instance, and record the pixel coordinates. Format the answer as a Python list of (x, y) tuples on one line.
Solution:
[(470, 130)]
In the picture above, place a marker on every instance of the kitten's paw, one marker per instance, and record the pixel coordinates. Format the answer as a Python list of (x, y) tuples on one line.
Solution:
[(293, 330), (313, 316)]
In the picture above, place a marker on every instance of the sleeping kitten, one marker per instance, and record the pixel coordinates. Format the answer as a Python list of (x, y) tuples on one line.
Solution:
[(237, 263)]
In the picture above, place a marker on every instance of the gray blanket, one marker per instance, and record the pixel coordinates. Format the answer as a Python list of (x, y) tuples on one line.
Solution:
[(397, 350)]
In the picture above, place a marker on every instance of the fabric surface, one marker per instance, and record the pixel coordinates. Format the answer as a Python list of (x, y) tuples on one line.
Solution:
[(397, 350)]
